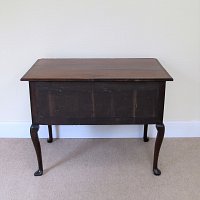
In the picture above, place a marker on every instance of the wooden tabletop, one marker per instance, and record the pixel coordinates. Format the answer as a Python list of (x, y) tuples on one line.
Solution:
[(97, 69)]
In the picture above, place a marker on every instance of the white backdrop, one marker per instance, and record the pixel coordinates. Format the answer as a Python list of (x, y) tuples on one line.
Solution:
[(167, 30)]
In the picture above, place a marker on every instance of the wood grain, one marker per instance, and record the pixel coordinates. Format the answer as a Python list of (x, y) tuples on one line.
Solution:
[(101, 69), (95, 103)]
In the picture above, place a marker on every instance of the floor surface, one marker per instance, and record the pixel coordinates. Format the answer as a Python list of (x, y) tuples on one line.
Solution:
[(100, 169)]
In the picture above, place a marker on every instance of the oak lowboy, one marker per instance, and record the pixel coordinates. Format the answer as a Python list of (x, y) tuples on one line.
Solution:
[(97, 92)]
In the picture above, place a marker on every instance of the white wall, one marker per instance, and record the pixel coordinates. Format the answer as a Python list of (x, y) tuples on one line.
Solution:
[(167, 30)]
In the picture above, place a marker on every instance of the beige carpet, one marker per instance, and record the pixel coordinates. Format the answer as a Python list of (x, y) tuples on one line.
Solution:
[(100, 169)]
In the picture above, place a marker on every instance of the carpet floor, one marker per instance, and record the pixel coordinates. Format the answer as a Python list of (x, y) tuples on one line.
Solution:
[(100, 169)]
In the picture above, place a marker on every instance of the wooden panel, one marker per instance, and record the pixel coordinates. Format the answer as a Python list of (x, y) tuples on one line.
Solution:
[(97, 102), (147, 96), (56, 102), (113, 99), (137, 100), (127, 69)]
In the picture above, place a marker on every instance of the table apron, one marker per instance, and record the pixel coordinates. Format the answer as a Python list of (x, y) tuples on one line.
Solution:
[(96, 103)]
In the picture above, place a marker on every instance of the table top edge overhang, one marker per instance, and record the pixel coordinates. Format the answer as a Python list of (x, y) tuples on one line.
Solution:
[(97, 69), (96, 79)]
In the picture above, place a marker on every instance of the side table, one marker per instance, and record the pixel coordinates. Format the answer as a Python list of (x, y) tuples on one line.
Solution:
[(97, 92)]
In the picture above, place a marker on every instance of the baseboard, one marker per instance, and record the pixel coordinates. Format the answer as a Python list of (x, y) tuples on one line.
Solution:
[(173, 129)]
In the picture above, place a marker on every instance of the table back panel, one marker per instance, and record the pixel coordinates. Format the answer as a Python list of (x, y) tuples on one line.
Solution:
[(88, 102)]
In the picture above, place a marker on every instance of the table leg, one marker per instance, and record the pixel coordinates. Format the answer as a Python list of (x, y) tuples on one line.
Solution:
[(50, 140), (160, 135), (145, 138), (34, 136)]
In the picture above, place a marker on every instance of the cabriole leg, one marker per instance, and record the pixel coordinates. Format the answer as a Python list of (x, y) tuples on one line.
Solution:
[(160, 135), (145, 138), (50, 139), (34, 136)]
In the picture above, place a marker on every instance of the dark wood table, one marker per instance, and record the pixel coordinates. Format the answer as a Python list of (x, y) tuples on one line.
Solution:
[(97, 92)]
